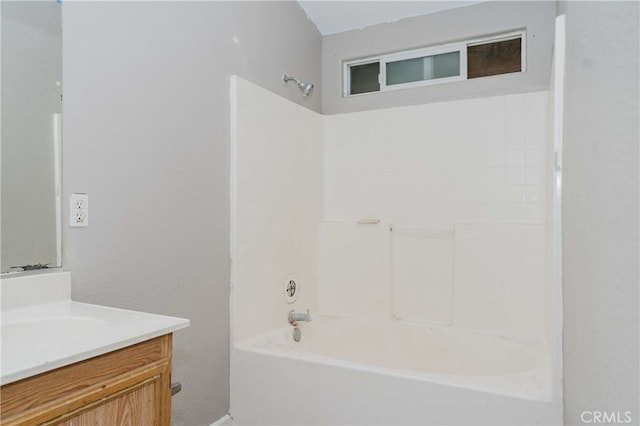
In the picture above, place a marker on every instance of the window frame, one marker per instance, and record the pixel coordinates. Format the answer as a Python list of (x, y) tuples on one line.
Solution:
[(460, 47)]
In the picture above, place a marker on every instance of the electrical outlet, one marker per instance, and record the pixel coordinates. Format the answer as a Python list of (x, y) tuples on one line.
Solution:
[(78, 210)]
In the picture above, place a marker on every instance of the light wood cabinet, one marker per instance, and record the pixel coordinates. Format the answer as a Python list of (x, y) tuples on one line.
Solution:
[(131, 386)]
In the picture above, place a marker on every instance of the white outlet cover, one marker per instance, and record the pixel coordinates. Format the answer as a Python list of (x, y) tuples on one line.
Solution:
[(79, 210)]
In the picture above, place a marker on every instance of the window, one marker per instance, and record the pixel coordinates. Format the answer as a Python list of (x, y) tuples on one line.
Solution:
[(452, 62), (436, 66), (364, 78), (499, 57)]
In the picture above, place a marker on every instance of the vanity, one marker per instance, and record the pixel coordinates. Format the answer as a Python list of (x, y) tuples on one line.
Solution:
[(70, 363)]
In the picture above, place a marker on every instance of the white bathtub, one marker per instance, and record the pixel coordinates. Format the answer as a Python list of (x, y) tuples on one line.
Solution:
[(350, 371)]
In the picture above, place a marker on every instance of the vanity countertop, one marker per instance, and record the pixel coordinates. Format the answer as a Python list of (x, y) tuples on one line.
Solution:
[(46, 330)]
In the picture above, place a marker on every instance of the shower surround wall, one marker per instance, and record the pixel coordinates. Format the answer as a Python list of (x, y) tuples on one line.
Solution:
[(460, 189), (276, 184), (463, 186), (478, 160)]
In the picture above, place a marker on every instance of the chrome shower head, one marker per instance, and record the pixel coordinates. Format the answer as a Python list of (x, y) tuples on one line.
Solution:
[(306, 88)]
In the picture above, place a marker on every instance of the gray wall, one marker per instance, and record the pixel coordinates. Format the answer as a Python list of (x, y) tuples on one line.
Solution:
[(146, 135), (31, 67), (600, 208), (439, 28)]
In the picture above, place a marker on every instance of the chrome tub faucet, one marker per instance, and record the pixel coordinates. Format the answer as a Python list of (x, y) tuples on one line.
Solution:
[(294, 317)]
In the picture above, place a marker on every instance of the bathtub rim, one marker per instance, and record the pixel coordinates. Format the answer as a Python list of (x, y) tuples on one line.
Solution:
[(539, 375)]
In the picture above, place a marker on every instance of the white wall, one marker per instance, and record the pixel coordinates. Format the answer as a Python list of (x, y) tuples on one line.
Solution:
[(478, 160), (147, 136), (353, 270), (460, 189), (600, 210), (464, 23), (463, 186), (276, 205), (488, 277)]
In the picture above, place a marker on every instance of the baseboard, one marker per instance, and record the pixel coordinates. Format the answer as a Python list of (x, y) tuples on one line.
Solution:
[(222, 421)]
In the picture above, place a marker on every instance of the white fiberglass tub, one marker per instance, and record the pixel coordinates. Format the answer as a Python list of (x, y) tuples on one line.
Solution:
[(350, 371)]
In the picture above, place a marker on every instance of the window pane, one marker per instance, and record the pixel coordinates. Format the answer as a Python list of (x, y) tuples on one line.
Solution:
[(364, 78), (501, 57), (425, 68)]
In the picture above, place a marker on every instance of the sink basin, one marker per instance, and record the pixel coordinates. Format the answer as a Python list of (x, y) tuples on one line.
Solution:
[(61, 327), (18, 335), (42, 329)]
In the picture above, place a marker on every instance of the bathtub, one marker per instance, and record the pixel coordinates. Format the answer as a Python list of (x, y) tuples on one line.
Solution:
[(354, 371)]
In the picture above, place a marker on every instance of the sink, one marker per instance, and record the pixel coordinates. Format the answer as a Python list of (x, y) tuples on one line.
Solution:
[(62, 327), (39, 333), (42, 329)]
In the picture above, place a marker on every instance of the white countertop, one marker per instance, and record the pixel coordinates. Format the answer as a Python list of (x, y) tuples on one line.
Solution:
[(56, 331)]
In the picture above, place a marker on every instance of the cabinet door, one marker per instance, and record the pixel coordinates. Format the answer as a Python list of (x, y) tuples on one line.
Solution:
[(130, 386), (135, 408)]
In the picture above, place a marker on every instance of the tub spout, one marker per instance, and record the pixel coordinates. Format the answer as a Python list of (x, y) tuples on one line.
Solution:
[(294, 317)]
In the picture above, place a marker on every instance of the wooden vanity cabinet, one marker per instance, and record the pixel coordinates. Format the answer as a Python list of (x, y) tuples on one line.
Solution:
[(130, 386)]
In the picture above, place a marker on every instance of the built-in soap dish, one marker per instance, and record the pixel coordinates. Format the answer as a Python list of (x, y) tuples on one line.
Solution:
[(291, 288)]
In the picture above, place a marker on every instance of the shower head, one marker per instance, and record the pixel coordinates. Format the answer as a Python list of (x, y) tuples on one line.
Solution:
[(306, 88)]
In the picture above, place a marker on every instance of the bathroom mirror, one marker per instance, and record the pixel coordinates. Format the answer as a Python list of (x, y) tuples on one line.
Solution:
[(31, 66)]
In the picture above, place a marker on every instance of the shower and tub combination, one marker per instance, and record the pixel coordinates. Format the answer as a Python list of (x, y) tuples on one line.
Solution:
[(393, 270)]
